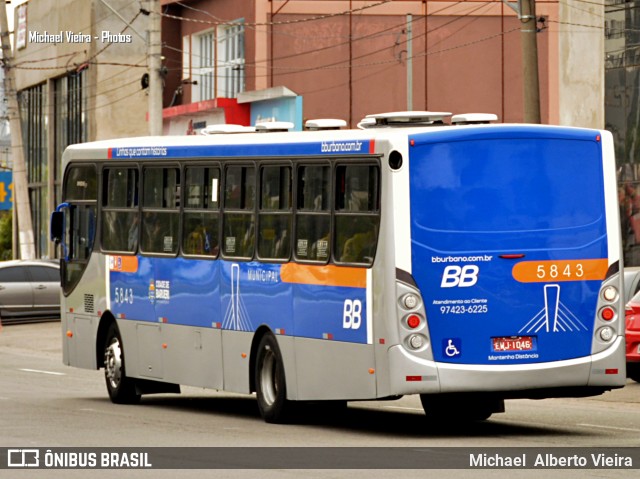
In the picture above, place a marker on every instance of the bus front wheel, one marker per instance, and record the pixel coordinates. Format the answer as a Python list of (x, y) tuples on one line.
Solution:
[(271, 388), (122, 390)]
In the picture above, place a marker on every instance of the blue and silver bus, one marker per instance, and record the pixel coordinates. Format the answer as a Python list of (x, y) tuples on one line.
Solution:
[(464, 262)]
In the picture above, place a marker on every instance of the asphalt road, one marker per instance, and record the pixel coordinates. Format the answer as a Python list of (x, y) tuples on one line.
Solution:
[(45, 404)]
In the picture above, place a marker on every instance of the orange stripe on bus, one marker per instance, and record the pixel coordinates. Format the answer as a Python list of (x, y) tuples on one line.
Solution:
[(124, 264), (326, 275), (561, 270)]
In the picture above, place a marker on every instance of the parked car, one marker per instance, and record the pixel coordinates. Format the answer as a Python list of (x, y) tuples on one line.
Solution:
[(29, 289), (631, 282), (632, 318)]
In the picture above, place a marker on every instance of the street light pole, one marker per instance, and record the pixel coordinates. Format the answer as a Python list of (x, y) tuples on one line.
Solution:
[(529, 33), (21, 205), (155, 64)]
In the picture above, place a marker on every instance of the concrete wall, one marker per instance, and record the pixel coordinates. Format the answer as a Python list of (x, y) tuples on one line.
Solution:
[(581, 60), (117, 105), (121, 105)]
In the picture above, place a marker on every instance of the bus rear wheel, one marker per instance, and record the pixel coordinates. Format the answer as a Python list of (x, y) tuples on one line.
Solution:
[(122, 390), (633, 371), (271, 388)]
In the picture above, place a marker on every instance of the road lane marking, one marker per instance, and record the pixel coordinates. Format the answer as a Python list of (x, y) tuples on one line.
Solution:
[(610, 427), (53, 373), (404, 408)]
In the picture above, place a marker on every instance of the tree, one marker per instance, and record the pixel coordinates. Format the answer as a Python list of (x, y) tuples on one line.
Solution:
[(6, 235)]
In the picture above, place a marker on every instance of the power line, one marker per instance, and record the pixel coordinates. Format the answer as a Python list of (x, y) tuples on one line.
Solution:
[(395, 45), (284, 22), (364, 37)]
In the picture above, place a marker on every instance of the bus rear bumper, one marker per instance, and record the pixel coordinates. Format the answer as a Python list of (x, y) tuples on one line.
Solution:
[(601, 371)]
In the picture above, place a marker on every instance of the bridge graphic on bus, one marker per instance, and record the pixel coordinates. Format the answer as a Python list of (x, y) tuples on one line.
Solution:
[(236, 318), (555, 316)]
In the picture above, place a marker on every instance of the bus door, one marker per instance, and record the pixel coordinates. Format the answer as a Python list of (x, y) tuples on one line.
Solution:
[(73, 224)]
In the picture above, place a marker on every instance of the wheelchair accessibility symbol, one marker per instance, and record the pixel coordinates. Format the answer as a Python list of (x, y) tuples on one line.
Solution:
[(452, 347)]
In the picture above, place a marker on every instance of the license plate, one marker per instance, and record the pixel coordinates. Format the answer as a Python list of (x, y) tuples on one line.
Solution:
[(513, 343)]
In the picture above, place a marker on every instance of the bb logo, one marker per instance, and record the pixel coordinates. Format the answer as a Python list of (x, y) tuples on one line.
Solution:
[(352, 314), (462, 277)]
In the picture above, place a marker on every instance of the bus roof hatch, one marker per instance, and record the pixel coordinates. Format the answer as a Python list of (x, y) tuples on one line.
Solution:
[(274, 126), (223, 128), (324, 124), (473, 118), (407, 118)]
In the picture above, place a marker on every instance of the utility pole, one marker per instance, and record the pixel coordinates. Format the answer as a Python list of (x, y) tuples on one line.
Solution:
[(21, 206), (409, 62), (529, 31), (155, 64)]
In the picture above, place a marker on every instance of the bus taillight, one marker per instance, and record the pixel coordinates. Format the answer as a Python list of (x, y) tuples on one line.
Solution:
[(607, 313), (610, 293), (413, 321)]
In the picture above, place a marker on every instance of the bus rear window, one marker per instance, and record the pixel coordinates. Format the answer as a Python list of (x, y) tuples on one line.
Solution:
[(506, 185)]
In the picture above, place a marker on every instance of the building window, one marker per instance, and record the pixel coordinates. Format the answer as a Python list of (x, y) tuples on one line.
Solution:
[(68, 126), (217, 62), (34, 136), (70, 106)]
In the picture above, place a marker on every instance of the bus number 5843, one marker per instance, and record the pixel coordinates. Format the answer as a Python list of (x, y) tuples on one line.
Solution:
[(553, 271)]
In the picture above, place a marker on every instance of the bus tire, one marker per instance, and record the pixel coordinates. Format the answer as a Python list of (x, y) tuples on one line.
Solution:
[(633, 371), (271, 387), (121, 389)]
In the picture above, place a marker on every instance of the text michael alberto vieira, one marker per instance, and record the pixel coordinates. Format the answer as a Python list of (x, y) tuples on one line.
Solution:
[(591, 460)]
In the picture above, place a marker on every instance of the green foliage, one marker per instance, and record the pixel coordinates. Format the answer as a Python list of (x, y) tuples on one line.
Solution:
[(6, 235)]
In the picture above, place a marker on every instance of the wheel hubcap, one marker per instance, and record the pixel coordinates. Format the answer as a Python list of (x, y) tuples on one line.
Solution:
[(113, 363)]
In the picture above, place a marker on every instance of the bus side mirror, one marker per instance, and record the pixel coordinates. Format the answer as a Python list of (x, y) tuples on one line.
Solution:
[(57, 226)]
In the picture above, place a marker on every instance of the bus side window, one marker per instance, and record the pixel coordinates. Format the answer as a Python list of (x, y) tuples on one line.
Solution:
[(275, 218), (357, 215), (313, 214), (201, 211), (238, 236), (160, 210), (120, 216)]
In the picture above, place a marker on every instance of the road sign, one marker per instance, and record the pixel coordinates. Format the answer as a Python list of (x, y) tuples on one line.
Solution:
[(6, 190)]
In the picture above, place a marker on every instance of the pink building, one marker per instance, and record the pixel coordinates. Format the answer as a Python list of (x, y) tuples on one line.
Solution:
[(349, 58)]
